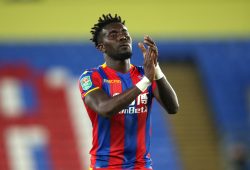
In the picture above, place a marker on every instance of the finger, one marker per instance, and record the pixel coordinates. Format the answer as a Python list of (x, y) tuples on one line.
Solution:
[(154, 59), (147, 56), (142, 47), (155, 51), (153, 47), (150, 56), (149, 39), (149, 43)]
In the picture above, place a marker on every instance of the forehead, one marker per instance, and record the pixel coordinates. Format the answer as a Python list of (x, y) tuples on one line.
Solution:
[(113, 26)]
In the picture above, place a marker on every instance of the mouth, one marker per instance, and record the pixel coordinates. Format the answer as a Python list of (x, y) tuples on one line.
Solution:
[(125, 45)]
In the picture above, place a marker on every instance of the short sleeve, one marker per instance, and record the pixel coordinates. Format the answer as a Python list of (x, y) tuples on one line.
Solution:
[(88, 82)]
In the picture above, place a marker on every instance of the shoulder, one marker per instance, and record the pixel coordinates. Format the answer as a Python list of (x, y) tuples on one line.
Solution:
[(89, 72), (91, 75), (90, 79)]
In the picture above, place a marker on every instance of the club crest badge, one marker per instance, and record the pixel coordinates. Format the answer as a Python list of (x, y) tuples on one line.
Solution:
[(86, 83)]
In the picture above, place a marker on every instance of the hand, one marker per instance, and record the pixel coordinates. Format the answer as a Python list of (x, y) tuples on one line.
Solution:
[(151, 44)]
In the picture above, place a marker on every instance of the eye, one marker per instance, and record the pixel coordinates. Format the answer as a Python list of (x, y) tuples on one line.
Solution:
[(125, 32), (112, 35)]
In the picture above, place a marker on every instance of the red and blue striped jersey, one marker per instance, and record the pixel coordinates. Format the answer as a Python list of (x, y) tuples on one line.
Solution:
[(122, 141)]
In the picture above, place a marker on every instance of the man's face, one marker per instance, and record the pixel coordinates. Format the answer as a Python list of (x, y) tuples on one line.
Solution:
[(116, 41)]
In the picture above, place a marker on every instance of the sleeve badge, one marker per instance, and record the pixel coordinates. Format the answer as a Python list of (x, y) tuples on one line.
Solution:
[(86, 83)]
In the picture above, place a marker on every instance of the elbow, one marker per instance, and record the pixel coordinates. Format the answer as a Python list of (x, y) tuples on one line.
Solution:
[(104, 114), (101, 107), (105, 111), (174, 109)]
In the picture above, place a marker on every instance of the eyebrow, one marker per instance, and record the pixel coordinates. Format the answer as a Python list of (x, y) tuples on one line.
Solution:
[(114, 30), (124, 29)]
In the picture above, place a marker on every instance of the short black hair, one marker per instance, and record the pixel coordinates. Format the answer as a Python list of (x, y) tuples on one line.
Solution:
[(102, 22)]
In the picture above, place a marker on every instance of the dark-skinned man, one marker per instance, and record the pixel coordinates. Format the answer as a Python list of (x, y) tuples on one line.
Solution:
[(118, 98)]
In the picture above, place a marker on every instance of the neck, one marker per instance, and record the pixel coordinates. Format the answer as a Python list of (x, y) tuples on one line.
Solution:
[(122, 66)]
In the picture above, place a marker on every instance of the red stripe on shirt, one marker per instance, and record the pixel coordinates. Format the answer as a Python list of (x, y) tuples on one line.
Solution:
[(141, 141), (94, 119), (116, 124), (97, 82)]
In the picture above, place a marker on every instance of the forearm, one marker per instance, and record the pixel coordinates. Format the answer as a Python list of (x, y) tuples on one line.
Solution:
[(106, 105), (113, 105), (167, 96)]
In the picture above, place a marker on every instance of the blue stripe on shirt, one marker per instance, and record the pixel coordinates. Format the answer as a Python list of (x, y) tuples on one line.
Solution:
[(131, 125), (103, 151)]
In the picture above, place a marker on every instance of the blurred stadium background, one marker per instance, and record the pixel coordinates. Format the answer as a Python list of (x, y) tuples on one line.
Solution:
[(204, 51)]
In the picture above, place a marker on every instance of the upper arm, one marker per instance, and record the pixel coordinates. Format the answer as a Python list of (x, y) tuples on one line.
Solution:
[(90, 85), (96, 99)]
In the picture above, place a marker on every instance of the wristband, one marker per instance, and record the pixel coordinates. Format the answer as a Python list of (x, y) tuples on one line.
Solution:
[(143, 84), (158, 73)]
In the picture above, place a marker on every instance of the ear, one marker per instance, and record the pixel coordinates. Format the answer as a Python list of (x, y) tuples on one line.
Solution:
[(101, 47)]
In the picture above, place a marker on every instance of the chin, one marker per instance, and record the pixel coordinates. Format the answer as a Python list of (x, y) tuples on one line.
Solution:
[(126, 55), (122, 56)]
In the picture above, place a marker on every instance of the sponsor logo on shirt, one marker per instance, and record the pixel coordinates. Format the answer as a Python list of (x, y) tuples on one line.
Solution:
[(139, 105), (134, 110), (111, 81)]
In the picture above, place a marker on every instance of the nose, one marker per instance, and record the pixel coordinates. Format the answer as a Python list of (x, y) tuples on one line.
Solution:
[(123, 36)]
